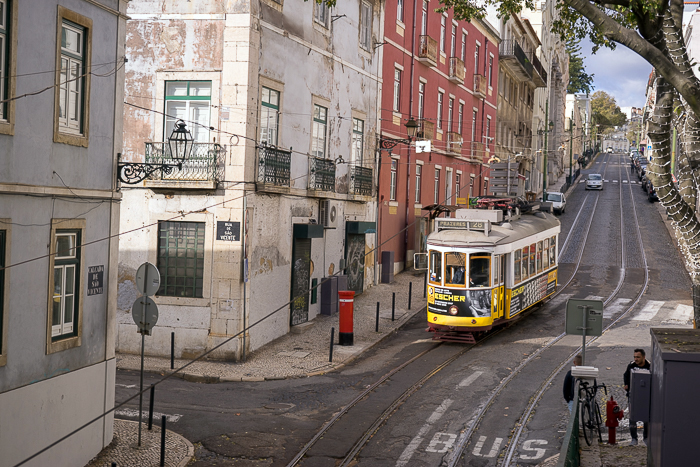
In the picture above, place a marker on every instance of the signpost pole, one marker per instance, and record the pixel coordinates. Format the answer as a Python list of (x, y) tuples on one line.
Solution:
[(584, 327), (143, 341)]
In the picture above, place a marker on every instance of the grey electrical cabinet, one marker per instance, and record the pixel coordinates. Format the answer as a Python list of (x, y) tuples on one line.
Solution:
[(329, 295), (675, 378), (640, 395)]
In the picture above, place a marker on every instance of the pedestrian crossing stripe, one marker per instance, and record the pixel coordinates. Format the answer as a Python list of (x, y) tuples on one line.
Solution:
[(650, 310), (617, 306), (682, 314)]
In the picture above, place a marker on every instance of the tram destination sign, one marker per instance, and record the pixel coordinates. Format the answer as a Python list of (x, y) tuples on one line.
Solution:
[(457, 224)]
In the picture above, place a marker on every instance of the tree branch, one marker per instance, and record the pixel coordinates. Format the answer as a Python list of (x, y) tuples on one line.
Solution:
[(632, 40)]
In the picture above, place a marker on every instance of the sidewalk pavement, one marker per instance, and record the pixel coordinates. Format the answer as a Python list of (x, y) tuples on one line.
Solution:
[(303, 352)]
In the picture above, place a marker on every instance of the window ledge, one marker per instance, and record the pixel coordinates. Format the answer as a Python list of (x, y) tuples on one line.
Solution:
[(394, 203), (182, 301), (67, 138), (63, 344)]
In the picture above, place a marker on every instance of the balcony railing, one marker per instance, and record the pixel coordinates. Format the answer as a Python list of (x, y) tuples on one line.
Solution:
[(361, 181), (510, 52), (477, 150), (205, 164), (454, 143), (273, 165), (321, 174), (428, 51), (539, 76), (456, 70), (480, 86), (426, 130)]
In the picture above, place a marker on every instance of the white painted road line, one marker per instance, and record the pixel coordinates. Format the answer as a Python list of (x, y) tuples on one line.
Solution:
[(470, 379), (649, 311), (415, 442), (616, 307), (681, 315), (134, 413), (559, 299), (128, 386), (593, 297)]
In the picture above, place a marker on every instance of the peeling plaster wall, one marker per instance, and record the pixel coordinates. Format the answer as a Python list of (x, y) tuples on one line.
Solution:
[(230, 40)]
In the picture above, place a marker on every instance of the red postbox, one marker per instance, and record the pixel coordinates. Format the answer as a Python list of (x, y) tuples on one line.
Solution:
[(347, 303), (613, 413)]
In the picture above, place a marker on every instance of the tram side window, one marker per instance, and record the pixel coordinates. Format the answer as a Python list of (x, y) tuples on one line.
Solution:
[(516, 266), (479, 270), (552, 250), (435, 266), (533, 271), (526, 255), (455, 268), (545, 253), (539, 257)]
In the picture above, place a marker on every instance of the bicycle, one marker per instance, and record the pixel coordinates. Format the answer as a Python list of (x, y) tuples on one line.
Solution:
[(590, 410)]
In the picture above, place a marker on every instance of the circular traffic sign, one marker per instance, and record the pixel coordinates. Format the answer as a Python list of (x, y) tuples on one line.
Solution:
[(147, 279), (145, 314)]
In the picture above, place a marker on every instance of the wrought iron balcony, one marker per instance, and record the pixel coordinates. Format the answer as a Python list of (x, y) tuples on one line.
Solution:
[(512, 55), (205, 164), (428, 51), (426, 130), (480, 86), (361, 181), (274, 165), (456, 70), (539, 76), (454, 143), (321, 174)]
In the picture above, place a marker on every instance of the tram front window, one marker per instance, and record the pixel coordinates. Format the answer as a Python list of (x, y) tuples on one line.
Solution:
[(435, 266), (455, 267), (479, 270)]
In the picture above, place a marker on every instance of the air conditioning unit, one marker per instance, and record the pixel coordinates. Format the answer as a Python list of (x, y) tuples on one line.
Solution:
[(328, 214)]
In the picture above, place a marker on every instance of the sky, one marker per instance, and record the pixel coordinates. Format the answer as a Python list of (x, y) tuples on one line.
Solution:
[(621, 73)]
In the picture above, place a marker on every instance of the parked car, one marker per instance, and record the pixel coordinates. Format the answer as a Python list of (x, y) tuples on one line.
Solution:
[(558, 201), (610, 150), (645, 183), (594, 182), (651, 192), (641, 168)]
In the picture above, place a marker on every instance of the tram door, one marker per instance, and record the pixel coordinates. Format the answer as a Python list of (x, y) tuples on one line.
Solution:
[(499, 271)]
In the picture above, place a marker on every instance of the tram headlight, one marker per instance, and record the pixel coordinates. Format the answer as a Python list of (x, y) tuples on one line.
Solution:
[(453, 310)]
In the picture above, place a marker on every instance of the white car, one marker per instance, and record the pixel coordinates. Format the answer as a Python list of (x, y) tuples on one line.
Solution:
[(610, 150), (558, 201), (594, 182)]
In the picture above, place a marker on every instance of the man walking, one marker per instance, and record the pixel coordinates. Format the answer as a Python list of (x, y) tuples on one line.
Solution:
[(639, 363), (570, 384)]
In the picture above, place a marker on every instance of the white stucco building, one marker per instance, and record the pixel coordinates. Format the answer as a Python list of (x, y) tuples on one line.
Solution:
[(61, 90), (281, 98)]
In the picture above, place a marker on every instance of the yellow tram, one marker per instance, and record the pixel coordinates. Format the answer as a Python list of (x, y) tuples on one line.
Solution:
[(484, 270)]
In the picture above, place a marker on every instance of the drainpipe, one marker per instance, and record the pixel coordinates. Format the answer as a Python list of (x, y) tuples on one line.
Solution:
[(410, 115)]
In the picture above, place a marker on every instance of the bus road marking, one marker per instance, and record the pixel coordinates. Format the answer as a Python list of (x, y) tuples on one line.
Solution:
[(539, 452), (415, 442), (494, 449)]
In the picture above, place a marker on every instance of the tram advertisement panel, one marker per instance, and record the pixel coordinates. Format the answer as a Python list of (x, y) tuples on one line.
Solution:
[(474, 303), (528, 294)]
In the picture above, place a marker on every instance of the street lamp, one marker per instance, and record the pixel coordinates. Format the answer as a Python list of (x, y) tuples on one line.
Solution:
[(411, 131), (180, 147), (571, 147)]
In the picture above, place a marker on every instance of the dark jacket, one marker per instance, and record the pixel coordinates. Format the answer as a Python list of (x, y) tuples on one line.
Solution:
[(633, 367), (569, 387)]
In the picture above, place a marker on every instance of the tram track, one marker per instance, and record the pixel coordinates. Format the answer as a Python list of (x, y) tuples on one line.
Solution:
[(453, 458), (455, 455)]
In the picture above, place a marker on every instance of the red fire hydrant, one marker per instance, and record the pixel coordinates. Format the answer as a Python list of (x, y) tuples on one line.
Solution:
[(347, 303), (613, 413)]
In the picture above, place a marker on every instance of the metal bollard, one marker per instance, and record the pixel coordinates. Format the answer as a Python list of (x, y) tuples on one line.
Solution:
[(114, 464), (393, 304), (162, 441), (330, 355), (410, 292), (150, 407), (376, 323), (172, 350)]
